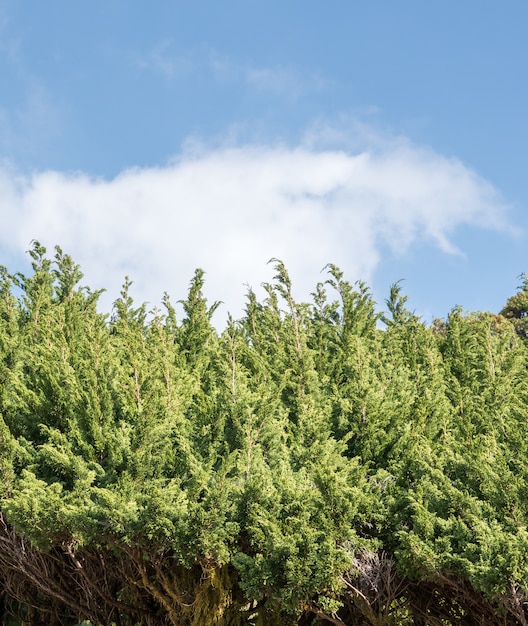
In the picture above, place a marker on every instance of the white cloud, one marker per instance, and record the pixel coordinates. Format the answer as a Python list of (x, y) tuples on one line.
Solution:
[(230, 209)]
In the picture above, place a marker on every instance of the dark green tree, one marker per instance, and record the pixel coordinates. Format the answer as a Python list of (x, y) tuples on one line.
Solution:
[(516, 308)]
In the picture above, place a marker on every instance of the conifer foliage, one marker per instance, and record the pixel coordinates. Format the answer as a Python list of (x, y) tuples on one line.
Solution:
[(314, 463)]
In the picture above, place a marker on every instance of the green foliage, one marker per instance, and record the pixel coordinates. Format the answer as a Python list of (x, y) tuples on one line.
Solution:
[(304, 464), (516, 309)]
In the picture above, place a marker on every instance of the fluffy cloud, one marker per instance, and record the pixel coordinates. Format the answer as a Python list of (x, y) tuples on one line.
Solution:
[(230, 209)]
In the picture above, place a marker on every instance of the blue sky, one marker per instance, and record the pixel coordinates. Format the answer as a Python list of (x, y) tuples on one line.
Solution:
[(387, 137)]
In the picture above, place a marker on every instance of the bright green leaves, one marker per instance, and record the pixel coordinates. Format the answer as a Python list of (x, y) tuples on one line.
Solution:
[(7, 454), (246, 474), (458, 499), (294, 525)]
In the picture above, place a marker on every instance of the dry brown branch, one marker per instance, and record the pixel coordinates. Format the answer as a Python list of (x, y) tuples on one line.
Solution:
[(61, 581), (374, 587), (516, 604)]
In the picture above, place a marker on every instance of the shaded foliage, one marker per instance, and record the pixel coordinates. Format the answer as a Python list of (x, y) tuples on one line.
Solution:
[(516, 309)]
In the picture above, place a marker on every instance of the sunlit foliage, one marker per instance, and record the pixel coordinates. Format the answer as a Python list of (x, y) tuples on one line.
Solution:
[(312, 463)]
